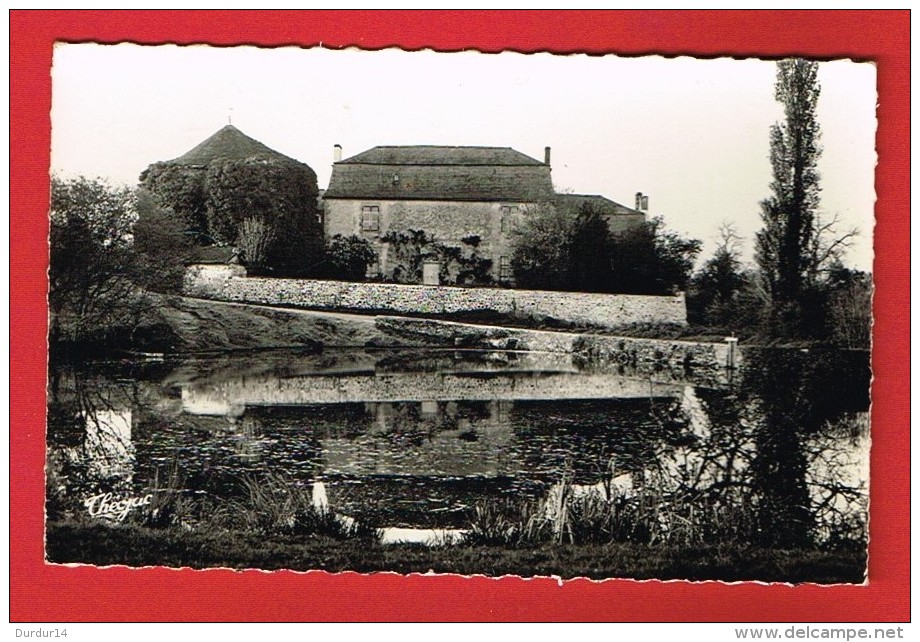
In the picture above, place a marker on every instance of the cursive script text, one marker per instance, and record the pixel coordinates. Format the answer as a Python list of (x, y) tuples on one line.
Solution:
[(110, 506)]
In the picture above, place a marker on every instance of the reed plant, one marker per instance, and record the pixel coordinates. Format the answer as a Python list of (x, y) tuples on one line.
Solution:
[(647, 517), (270, 505), (508, 524), (170, 505)]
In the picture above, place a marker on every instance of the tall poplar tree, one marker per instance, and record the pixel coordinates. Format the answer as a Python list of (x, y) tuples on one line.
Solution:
[(784, 247)]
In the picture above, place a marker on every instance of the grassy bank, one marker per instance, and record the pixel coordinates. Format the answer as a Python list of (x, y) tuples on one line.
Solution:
[(673, 331), (269, 523), (132, 545), (647, 330), (176, 325), (179, 325)]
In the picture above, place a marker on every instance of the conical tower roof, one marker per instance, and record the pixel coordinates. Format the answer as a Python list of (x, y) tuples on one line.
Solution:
[(228, 143)]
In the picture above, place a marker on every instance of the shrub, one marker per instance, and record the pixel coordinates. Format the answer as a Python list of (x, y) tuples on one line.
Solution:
[(347, 257), (460, 265), (850, 308), (254, 240), (649, 259), (271, 506), (508, 523)]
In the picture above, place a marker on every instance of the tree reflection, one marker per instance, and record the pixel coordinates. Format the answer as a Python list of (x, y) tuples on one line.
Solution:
[(90, 448), (777, 460), (802, 398)]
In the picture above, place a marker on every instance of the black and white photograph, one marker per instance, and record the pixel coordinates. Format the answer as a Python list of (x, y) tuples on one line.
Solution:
[(538, 315)]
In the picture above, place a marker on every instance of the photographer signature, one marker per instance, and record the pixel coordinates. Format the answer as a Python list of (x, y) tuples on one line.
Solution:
[(112, 507)]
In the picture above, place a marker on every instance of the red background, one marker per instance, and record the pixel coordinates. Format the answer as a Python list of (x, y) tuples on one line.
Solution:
[(40, 592)]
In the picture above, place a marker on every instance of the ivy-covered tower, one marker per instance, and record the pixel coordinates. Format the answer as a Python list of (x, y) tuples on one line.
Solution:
[(232, 190)]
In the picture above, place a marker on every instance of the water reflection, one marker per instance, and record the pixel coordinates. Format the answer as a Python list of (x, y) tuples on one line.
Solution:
[(412, 444)]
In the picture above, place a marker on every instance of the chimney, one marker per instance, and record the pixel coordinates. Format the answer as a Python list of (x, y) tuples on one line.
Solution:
[(641, 202), (546, 152), (336, 153)]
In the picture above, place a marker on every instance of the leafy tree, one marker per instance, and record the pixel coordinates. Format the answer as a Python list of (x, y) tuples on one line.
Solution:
[(347, 257), (92, 291), (649, 259), (558, 248), (716, 289), (542, 248), (108, 212), (590, 246), (785, 245), (163, 245)]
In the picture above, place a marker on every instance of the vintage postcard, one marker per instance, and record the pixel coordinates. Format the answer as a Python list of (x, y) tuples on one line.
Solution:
[(480, 315), (498, 314)]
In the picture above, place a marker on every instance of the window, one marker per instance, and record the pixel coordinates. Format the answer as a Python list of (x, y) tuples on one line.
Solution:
[(370, 218), (504, 269), (508, 214)]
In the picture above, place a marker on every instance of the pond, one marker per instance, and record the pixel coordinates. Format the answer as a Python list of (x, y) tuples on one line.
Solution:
[(440, 446)]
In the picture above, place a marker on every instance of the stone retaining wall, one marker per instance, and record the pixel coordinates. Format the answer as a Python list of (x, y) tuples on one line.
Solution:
[(661, 359), (228, 283), (702, 362)]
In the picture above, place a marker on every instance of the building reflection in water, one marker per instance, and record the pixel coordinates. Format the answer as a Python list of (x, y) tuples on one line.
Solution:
[(419, 466)]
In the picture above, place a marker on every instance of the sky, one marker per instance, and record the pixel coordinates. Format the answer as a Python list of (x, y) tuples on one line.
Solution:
[(691, 134)]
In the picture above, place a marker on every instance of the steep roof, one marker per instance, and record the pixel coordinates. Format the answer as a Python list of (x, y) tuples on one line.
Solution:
[(228, 143), (426, 172)]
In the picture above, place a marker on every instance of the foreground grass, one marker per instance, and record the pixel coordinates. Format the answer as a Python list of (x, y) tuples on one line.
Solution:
[(132, 545)]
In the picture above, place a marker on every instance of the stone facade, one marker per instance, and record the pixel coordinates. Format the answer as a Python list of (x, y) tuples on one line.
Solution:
[(223, 283), (447, 222), (449, 193)]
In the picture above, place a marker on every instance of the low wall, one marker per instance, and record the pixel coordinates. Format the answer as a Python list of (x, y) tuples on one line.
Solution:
[(658, 359), (228, 283)]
